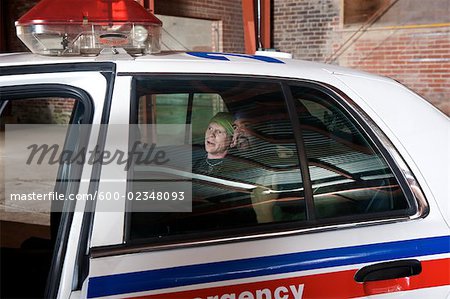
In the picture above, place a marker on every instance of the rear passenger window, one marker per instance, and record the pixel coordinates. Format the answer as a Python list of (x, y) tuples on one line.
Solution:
[(348, 174), (245, 166)]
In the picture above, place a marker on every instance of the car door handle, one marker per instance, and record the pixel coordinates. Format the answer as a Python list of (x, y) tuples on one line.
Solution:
[(388, 277), (389, 270)]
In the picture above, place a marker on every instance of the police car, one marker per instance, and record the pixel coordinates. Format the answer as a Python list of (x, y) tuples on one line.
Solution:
[(335, 182)]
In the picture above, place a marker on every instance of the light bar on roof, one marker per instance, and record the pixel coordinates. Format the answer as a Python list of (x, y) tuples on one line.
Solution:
[(85, 27)]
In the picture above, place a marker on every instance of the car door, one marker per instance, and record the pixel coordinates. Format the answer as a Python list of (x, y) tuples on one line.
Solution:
[(49, 110), (310, 200)]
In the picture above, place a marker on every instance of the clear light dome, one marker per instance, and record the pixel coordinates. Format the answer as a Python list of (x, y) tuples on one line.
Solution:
[(85, 27)]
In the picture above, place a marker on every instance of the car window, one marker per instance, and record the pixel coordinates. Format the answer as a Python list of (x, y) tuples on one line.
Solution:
[(47, 112), (349, 176), (260, 181), (177, 109), (29, 230), (258, 178)]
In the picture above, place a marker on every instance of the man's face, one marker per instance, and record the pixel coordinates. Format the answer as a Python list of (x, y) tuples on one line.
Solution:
[(242, 134), (217, 142)]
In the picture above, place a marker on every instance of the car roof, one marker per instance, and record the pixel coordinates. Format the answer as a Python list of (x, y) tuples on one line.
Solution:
[(26, 58), (190, 62)]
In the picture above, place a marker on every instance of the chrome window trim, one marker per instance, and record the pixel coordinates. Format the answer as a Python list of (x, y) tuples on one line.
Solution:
[(107, 251)]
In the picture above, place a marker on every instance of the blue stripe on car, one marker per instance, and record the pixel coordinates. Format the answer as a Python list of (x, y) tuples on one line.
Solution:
[(268, 265), (222, 56)]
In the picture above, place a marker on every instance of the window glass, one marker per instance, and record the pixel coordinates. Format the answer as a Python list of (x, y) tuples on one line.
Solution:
[(28, 235), (179, 108), (360, 12), (245, 167), (348, 175), (37, 111), (171, 108)]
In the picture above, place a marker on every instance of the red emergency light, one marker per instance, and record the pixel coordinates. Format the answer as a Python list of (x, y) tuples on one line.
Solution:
[(85, 27)]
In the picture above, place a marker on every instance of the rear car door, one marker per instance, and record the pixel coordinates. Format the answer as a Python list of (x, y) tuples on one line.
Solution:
[(48, 109), (311, 202)]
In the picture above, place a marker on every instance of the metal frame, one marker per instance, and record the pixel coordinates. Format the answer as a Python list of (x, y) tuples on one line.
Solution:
[(257, 36), (60, 246)]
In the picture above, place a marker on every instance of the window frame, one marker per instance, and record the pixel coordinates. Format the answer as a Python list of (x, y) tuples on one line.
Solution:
[(55, 90), (363, 19), (109, 72), (402, 173)]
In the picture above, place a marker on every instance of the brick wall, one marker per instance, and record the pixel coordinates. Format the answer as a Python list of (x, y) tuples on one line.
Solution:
[(417, 55), (305, 28), (42, 111), (228, 12)]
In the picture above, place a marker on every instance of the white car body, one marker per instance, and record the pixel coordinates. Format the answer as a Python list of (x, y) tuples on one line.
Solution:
[(312, 262)]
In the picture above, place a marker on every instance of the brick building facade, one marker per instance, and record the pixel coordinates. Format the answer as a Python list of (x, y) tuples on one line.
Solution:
[(305, 28), (228, 12), (407, 41)]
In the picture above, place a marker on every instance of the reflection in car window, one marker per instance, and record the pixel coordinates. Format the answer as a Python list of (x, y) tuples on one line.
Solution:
[(349, 176), (259, 178), (56, 111), (29, 253)]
